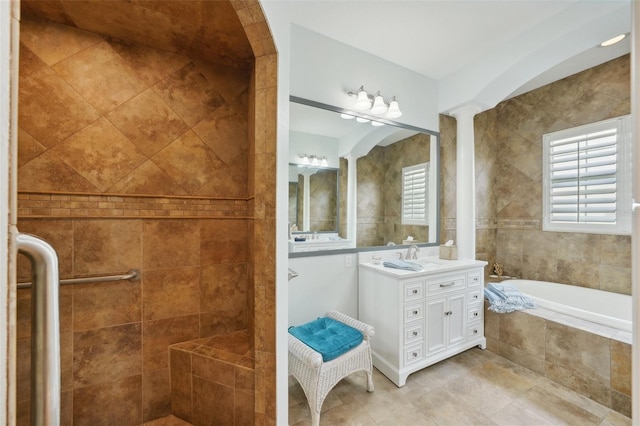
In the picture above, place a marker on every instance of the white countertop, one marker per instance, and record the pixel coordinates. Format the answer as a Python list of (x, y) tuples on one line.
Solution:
[(431, 265)]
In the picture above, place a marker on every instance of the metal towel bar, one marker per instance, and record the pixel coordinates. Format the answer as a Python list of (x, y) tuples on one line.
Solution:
[(131, 275)]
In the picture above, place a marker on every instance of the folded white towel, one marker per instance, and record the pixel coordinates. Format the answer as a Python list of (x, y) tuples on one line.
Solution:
[(401, 264)]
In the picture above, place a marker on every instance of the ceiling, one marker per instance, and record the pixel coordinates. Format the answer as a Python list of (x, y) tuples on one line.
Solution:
[(202, 29), (440, 39)]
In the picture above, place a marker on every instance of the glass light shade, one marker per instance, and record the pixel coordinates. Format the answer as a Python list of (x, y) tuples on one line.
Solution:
[(379, 107), (346, 116), (305, 159), (314, 160), (324, 162), (363, 102), (377, 124), (613, 40), (394, 109), (362, 120)]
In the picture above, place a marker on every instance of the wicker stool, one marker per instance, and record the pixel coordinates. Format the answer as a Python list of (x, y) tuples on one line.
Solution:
[(317, 377)]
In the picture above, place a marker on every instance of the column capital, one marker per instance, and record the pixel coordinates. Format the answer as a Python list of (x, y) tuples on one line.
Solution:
[(468, 109)]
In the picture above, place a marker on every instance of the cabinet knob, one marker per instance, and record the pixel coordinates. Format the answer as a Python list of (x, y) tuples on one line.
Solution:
[(475, 279), (475, 296), (475, 331), (448, 312), (475, 314), (415, 291), (415, 354), (415, 312), (415, 333)]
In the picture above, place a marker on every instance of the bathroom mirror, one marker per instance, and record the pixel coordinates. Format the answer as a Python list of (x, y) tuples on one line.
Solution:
[(384, 157)]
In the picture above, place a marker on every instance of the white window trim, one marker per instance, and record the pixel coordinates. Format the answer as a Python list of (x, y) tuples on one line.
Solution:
[(622, 226), (409, 169)]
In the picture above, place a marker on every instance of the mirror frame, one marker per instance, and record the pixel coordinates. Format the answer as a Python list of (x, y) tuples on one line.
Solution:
[(338, 110)]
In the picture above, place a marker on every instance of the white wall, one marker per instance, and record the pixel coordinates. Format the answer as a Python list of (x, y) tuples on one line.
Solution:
[(324, 70), (323, 283)]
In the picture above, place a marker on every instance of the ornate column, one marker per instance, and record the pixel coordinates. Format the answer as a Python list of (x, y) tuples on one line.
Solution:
[(465, 182)]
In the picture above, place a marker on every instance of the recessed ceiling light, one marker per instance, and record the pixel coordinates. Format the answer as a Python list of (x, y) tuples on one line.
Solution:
[(612, 40)]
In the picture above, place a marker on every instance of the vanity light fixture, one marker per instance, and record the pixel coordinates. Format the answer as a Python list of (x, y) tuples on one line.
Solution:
[(376, 106), (613, 40), (347, 116), (313, 160), (377, 124), (362, 120)]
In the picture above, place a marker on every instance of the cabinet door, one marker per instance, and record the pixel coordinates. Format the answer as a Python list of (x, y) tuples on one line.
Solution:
[(436, 315), (457, 325)]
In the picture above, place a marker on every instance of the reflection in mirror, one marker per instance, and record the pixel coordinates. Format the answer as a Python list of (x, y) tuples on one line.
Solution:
[(317, 212), (385, 179), (393, 189)]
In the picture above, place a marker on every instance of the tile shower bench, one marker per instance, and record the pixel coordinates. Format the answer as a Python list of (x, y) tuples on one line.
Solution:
[(212, 380)]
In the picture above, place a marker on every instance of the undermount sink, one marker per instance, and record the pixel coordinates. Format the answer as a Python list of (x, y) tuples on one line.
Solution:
[(426, 262)]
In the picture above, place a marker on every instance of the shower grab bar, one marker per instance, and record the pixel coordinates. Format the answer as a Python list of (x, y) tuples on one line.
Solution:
[(45, 330), (131, 275)]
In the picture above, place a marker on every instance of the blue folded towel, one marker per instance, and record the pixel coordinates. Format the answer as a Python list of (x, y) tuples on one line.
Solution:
[(402, 264), (505, 298)]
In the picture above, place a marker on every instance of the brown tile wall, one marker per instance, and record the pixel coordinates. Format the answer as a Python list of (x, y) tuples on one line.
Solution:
[(508, 142), (594, 366), (172, 134), (262, 201)]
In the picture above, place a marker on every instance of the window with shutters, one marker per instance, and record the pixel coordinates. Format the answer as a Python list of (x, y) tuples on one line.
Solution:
[(587, 178), (415, 194)]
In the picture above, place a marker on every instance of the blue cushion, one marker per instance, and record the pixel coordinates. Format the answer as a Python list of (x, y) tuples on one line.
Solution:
[(328, 337)]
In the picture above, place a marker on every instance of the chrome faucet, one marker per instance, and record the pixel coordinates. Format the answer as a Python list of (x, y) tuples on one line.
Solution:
[(415, 252)]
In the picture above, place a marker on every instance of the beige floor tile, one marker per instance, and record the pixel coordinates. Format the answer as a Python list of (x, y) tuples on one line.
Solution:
[(473, 388)]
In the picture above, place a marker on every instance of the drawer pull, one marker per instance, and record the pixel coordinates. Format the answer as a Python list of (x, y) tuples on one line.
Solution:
[(475, 314), (474, 279), (475, 296), (475, 331), (414, 354), (448, 284), (415, 291), (415, 333), (415, 312)]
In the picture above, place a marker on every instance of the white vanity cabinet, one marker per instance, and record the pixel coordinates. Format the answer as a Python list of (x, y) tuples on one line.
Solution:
[(422, 317)]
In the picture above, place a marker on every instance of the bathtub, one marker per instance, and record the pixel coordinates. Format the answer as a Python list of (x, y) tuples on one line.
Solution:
[(597, 306)]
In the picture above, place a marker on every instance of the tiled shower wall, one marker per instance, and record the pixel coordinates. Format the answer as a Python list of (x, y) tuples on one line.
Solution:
[(508, 142), (134, 157)]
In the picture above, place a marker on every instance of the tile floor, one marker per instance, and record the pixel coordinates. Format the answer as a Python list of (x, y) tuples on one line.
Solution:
[(473, 388)]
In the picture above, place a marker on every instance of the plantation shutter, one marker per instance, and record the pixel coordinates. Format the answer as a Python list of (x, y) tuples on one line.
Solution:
[(415, 188), (587, 178)]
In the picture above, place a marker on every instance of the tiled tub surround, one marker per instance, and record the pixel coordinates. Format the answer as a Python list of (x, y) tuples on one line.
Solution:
[(131, 156), (508, 141), (591, 359)]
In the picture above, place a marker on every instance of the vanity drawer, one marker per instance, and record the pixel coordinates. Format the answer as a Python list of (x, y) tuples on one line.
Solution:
[(446, 284), (413, 333), (474, 314), (474, 297), (413, 290), (475, 330), (475, 279), (413, 312), (413, 354)]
